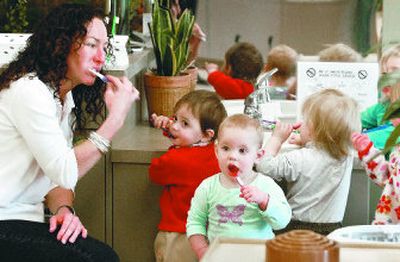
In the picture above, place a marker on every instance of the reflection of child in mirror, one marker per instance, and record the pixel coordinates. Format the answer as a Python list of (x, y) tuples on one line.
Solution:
[(243, 63), (339, 53), (223, 207), (284, 58), (318, 174), (372, 116)]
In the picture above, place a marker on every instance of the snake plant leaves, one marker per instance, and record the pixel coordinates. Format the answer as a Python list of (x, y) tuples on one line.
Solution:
[(390, 79), (170, 38), (392, 140), (169, 62), (393, 111)]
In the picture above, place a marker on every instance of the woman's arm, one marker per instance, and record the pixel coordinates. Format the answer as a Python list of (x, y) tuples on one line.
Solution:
[(118, 97), (59, 201)]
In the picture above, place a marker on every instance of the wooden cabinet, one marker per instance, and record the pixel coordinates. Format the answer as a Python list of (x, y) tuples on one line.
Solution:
[(135, 212), (90, 200)]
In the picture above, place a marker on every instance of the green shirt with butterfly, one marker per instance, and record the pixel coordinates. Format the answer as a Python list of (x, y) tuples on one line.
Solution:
[(217, 211)]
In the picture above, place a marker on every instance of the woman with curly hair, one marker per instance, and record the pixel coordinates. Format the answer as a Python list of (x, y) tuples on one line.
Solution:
[(39, 164)]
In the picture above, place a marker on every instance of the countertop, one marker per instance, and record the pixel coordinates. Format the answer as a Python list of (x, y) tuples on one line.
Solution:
[(138, 144)]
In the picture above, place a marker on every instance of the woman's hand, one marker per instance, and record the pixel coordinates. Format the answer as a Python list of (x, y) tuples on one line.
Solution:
[(71, 226), (194, 42), (119, 96)]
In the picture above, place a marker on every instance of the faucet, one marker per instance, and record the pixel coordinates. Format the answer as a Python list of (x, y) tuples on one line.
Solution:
[(253, 103)]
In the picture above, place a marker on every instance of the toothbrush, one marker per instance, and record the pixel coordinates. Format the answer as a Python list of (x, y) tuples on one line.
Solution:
[(102, 77), (166, 132), (377, 128), (233, 171)]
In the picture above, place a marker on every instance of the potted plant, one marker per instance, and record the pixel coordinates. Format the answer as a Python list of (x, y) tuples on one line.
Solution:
[(167, 83)]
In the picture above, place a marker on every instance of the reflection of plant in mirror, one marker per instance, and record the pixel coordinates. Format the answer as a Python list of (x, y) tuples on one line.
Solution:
[(14, 14)]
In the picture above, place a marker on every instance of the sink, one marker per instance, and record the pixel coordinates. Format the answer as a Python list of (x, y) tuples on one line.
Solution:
[(282, 110)]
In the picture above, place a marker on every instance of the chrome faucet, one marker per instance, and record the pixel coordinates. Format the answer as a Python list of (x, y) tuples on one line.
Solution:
[(253, 103)]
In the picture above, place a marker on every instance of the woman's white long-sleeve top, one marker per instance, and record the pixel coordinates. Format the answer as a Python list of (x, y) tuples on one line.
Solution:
[(36, 152)]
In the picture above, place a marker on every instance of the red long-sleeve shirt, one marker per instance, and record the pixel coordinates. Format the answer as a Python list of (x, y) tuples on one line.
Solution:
[(228, 87), (180, 171)]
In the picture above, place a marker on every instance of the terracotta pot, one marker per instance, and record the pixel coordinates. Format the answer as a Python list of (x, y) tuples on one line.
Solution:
[(162, 92)]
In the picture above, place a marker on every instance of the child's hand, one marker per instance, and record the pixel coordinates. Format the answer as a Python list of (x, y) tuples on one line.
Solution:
[(360, 141), (395, 121), (254, 195), (282, 131), (210, 67), (160, 121), (295, 138)]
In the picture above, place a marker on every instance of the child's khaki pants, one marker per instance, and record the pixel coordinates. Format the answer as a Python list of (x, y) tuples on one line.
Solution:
[(173, 247)]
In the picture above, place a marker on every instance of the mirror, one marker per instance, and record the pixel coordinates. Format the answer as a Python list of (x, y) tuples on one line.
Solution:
[(305, 25)]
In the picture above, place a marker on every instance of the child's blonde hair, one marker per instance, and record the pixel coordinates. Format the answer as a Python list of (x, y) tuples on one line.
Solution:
[(245, 61), (206, 106), (244, 121), (283, 58), (339, 53), (393, 51), (332, 117)]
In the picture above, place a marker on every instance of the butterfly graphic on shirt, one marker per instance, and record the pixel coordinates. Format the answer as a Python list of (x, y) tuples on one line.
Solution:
[(234, 216)]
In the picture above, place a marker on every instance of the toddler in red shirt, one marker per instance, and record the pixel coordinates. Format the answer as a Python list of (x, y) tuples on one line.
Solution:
[(243, 63), (183, 167)]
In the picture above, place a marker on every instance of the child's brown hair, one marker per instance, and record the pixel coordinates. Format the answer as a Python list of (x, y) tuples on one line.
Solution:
[(331, 117), (245, 61), (206, 106), (244, 121)]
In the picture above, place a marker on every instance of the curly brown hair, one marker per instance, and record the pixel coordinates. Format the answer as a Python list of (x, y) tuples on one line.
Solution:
[(46, 52), (245, 60)]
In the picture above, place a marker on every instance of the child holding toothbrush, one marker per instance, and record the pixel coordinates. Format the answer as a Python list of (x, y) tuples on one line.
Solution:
[(385, 174), (318, 174), (180, 170), (247, 206)]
